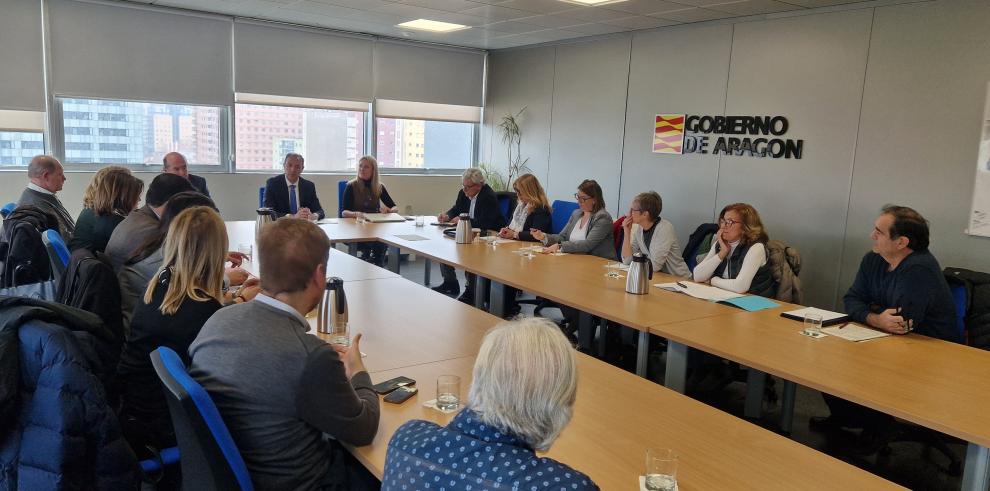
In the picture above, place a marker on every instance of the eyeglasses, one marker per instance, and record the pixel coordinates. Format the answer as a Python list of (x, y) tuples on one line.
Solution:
[(726, 222), (471, 185), (635, 210), (581, 199)]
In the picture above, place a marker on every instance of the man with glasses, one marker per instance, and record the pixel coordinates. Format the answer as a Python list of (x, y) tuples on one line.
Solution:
[(478, 200)]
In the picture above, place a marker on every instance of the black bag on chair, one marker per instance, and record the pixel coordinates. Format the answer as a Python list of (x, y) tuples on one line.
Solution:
[(23, 256), (90, 284)]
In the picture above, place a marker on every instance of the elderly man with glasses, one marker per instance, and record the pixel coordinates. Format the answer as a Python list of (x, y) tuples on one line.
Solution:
[(478, 200)]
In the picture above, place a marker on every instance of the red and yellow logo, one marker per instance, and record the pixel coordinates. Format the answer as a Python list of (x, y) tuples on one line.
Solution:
[(668, 136)]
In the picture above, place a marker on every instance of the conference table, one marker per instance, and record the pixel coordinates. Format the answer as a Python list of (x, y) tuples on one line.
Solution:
[(410, 330)]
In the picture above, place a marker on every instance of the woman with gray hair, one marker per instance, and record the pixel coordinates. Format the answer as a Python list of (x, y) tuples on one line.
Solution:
[(525, 383)]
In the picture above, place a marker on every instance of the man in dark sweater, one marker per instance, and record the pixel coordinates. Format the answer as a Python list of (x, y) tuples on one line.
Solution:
[(142, 223), (280, 390), (175, 163), (46, 178), (478, 200), (899, 288)]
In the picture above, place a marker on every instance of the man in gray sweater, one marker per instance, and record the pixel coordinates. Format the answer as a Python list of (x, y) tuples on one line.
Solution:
[(46, 178), (280, 390)]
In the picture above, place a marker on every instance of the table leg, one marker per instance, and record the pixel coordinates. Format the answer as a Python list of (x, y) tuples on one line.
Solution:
[(602, 327), (676, 372), (393, 259), (352, 248), (586, 331), (428, 266), (755, 382), (642, 353), (976, 476), (497, 300), (480, 289), (787, 407)]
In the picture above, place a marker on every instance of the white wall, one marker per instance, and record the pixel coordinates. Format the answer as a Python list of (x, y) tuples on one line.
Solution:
[(888, 100)]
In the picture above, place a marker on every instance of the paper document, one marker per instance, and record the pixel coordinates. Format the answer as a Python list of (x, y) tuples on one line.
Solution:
[(326, 221), (412, 237), (854, 332), (618, 265), (829, 318), (698, 290), (384, 217)]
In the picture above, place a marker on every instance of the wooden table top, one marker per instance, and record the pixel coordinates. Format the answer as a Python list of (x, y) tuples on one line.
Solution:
[(930, 382), (406, 324), (617, 416)]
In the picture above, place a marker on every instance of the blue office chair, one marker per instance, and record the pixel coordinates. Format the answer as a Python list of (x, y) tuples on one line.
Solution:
[(7, 209), (562, 211), (341, 185), (210, 459), (506, 203), (961, 301), (58, 252), (261, 197)]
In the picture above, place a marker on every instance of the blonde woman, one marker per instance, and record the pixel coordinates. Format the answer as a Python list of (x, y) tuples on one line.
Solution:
[(177, 302), (532, 210), (111, 195), (366, 194), (738, 260), (521, 399)]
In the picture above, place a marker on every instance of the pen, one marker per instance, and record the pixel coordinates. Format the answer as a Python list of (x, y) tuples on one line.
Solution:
[(682, 285), (843, 325)]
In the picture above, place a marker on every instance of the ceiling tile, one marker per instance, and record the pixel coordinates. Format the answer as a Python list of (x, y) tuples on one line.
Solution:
[(592, 14), (312, 7), (699, 3), (820, 3), (446, 5), (539, 6), (380, 18), (642, 6), (693, 15), (513, 27), (496, 13), (641, 22), (595, 29), (554, 21), (753, 7), (354, 4)]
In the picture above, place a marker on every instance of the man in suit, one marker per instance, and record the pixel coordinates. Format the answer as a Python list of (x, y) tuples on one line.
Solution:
[(478, 200), (290, 194), (175, 163), (46, 178), (142, 223)]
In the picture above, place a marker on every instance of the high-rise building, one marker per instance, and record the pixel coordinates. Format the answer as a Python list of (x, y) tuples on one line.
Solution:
[(18, 148), (107, 132)]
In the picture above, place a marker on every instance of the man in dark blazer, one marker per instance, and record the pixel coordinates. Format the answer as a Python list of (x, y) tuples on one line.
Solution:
[(142, 223), (175, 163), (290, 194), (478, 200), (46, 178)]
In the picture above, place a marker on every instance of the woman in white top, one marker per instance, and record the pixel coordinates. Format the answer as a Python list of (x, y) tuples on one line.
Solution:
[(738, 260), (644, 231)]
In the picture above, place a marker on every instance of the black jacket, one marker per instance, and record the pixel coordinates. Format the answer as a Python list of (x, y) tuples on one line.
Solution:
[(200, 184), (538, 219), (487, 213), (277, 196)]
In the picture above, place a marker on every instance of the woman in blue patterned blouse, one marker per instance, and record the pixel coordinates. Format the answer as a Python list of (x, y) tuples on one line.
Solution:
[(525, 382)]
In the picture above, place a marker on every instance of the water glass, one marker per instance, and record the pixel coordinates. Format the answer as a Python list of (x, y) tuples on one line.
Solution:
[(420, 220), (247, 249), (448, 392), (812, 324), (361, 219), (661, 469), (340, 335)]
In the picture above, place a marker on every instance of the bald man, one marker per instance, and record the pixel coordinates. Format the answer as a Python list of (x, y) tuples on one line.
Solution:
[(175, 163), (46, 178)]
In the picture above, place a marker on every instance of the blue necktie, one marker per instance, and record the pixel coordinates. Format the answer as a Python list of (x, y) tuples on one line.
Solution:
[(293, 207)]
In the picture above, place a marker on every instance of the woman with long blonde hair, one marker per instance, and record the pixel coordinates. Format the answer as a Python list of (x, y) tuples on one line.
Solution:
[(532, 210), (111, 195), (366, 194), (187, 290)]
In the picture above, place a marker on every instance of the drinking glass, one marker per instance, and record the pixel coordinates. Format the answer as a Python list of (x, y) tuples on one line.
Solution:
[(448, 392), (247, 249), (812, 324), (420, 220), (340, 335), (661, 469)]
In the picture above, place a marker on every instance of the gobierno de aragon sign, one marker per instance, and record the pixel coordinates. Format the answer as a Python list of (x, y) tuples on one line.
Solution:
[(744, 136)]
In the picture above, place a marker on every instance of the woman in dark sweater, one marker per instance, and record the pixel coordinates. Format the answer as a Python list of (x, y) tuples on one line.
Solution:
[(110, 196), (366, 194), (532, 213), (177, 302)]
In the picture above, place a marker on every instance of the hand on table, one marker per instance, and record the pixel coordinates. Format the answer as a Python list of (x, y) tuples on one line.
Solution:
[(552, 249), (236, 258), (351, 356), (890, 321), (237, 275)]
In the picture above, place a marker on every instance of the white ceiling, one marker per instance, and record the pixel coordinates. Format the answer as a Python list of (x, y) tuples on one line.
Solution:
[(494, 24)]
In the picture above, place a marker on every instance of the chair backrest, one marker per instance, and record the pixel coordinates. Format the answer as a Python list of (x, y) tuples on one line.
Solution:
[(210, 459), (261, 197), (58, 251), (90, 284), (698, 243), (505, 204), (341, 185), (562, 211), (960, 300), (618, 235), (7, 208)]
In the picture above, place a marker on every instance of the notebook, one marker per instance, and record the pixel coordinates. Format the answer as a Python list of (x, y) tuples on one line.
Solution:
[(384, 217), (749, 303), (854, 332), (829, 318)]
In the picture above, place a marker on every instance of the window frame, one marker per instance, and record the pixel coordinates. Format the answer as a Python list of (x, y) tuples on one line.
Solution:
[(57, 138)]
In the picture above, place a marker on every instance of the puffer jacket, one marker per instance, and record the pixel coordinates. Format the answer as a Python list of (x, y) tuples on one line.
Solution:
[(56, 429), (785, 266)]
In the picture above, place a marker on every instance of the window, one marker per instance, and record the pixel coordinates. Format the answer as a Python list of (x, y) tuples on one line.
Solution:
[(17, 148), (97, 131), (329, 139), (411, 143)]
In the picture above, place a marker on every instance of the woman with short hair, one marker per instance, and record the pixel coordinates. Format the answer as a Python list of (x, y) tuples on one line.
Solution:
[(738, 259), (366, 194), (521, 398), (646, 232), (111, 195)]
